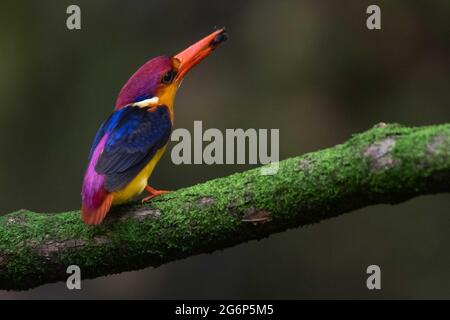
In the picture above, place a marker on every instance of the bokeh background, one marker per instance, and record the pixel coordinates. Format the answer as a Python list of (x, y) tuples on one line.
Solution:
[(310, 68)]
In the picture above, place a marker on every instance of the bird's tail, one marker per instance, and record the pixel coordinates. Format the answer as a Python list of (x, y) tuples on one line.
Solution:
[(96, 201), (96, 215)]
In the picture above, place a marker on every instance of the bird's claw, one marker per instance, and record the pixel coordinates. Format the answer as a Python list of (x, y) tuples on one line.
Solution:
[(154, 193)]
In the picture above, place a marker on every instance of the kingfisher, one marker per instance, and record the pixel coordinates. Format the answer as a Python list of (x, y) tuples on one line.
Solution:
[(131, 141)]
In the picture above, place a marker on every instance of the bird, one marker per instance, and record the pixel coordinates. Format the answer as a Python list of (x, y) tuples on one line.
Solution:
[(132, 140)]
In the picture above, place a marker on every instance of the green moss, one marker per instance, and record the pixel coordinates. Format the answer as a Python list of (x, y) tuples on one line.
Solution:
[(401, 162)]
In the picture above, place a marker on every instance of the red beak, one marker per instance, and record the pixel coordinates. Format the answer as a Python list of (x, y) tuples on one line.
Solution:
[(189, 57)]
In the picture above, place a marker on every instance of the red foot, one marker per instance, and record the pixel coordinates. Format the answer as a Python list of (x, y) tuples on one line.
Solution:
[(153, 193)]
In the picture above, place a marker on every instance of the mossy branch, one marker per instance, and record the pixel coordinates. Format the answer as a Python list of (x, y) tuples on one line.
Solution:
[(387, 164)]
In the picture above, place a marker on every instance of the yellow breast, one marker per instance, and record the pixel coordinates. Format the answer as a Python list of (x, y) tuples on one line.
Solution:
[(138, 184)]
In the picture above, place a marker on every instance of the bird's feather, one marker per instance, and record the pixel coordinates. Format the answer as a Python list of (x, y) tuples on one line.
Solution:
[(133, 141), (123, 146)]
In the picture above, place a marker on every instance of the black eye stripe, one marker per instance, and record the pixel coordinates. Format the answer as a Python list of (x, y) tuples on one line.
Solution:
[(168, 77)]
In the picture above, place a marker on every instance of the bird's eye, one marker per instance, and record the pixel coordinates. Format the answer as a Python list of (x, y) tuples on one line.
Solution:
[(168, 77)]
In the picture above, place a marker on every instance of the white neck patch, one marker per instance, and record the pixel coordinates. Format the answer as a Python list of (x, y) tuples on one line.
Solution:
[(147, 102)]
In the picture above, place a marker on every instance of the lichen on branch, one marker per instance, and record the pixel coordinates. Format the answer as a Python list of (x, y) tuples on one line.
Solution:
[(387, 164)]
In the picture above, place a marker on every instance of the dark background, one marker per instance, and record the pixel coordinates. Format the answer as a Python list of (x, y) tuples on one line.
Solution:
[(310, 68)]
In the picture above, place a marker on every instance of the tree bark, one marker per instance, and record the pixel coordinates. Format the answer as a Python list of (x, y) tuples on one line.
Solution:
[(387, 164)]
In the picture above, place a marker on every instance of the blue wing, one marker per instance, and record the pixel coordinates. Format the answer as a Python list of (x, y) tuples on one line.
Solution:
[(106, 126), (134, 136)]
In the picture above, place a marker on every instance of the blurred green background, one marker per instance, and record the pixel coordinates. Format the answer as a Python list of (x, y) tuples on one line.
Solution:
[(310, 68)]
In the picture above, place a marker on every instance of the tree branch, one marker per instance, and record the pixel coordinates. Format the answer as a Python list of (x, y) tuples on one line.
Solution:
[(387, 164)]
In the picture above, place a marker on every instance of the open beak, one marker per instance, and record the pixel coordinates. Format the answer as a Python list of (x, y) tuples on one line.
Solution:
[(189, 57)]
